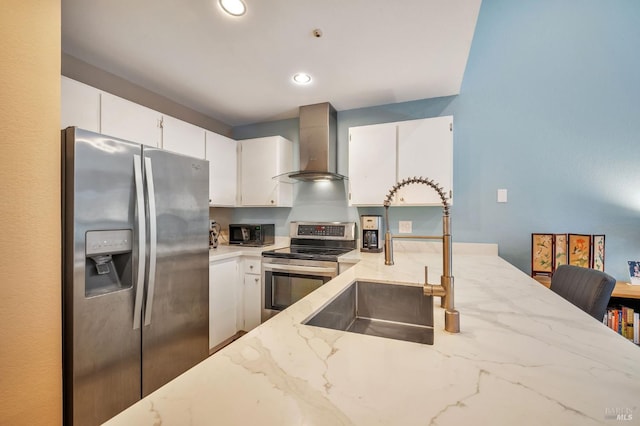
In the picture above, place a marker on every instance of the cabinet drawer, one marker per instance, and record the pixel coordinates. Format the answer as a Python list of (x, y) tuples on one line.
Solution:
[(252, 266)]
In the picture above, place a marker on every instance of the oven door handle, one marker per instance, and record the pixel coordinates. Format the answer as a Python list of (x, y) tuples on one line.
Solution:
[(296, 268)]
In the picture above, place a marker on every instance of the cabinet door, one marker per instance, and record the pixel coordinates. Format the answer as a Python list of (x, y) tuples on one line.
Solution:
[(252, 305), (240, 299), (372, 163), (127, 120), (223, 278), (182, 137), (221, 152), (425, 148), (260, 160), (79, 105)]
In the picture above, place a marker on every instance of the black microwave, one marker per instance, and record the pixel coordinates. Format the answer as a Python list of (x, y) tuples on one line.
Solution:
[(262, 234)]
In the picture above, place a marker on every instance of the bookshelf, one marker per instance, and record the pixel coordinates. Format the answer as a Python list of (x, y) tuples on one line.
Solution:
[(624, 298)]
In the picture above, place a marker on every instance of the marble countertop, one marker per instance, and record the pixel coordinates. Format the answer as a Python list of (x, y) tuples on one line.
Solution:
[(226, 251), (524, 356)]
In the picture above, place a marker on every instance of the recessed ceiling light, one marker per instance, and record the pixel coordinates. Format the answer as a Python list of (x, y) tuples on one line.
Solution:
[(233, 7), (302, 78)]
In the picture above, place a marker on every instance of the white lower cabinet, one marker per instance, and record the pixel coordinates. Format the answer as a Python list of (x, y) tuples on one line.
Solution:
[(252, 293), (235, 294), (223, 279)]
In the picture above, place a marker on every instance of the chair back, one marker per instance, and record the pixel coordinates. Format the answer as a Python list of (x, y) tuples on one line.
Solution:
[(588, 289)]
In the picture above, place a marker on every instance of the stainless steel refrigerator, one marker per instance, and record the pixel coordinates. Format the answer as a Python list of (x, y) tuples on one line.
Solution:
[(135, 271)]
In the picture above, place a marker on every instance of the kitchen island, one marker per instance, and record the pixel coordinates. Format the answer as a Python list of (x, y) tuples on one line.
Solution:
[(524, 356)]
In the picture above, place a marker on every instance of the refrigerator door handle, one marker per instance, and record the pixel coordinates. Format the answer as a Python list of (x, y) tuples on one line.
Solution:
[(137, 306), (153, 240)]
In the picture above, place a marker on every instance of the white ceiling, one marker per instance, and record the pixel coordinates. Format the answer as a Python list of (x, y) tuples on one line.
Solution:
[(238, 69)]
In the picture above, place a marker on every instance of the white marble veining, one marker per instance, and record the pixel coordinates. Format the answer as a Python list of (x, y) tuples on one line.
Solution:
[(524, 356)]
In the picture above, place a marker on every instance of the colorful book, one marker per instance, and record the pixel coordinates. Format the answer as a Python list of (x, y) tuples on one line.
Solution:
[(630, 325)]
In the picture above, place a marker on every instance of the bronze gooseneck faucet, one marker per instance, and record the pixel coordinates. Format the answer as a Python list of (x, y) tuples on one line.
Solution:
[(445, 288)]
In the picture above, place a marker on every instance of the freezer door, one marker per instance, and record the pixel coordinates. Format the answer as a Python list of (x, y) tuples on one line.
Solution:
[(176, 312), (101, 253)]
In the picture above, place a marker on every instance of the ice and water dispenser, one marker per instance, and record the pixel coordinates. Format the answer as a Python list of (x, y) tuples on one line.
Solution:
[(108, 263)]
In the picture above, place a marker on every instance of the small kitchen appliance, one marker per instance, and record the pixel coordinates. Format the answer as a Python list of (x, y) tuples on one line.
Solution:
[(214, 233), (371, 226), (252, 235)]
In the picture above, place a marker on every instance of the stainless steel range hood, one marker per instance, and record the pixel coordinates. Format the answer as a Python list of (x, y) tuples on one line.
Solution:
[(318, 144)]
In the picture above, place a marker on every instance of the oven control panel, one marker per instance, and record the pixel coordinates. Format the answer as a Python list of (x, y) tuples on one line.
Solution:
[(323, 230)]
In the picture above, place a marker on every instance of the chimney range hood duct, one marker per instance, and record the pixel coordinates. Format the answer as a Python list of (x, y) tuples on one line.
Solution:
[(318, 144)]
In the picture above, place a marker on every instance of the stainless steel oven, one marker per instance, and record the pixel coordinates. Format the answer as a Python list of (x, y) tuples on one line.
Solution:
[(291, 273), (288, 280)]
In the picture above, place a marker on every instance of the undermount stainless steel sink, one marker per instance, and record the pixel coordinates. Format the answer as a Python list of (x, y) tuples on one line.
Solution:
[(393, 311)]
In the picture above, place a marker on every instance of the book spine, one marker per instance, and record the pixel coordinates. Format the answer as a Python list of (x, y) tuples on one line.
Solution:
[(619, 320), (610, 318)]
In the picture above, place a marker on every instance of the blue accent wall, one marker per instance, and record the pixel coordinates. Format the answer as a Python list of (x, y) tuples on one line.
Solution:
[(548, 109)]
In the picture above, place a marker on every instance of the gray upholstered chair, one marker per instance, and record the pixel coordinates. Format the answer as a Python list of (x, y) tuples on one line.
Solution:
[(588, 289)]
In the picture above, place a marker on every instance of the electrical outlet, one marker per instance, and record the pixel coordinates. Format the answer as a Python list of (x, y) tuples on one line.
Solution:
[(502, 195), (404, 227)]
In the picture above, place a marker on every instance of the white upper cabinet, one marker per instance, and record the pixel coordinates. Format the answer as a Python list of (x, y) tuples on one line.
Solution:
[(382, 154), (80, 105), (222, 153), (182, 137), (425, 148), (127, 120), (260, 160), (372, 163)]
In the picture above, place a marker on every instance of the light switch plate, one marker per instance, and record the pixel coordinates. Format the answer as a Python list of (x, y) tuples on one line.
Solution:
[(404, 227), (502, 195)]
